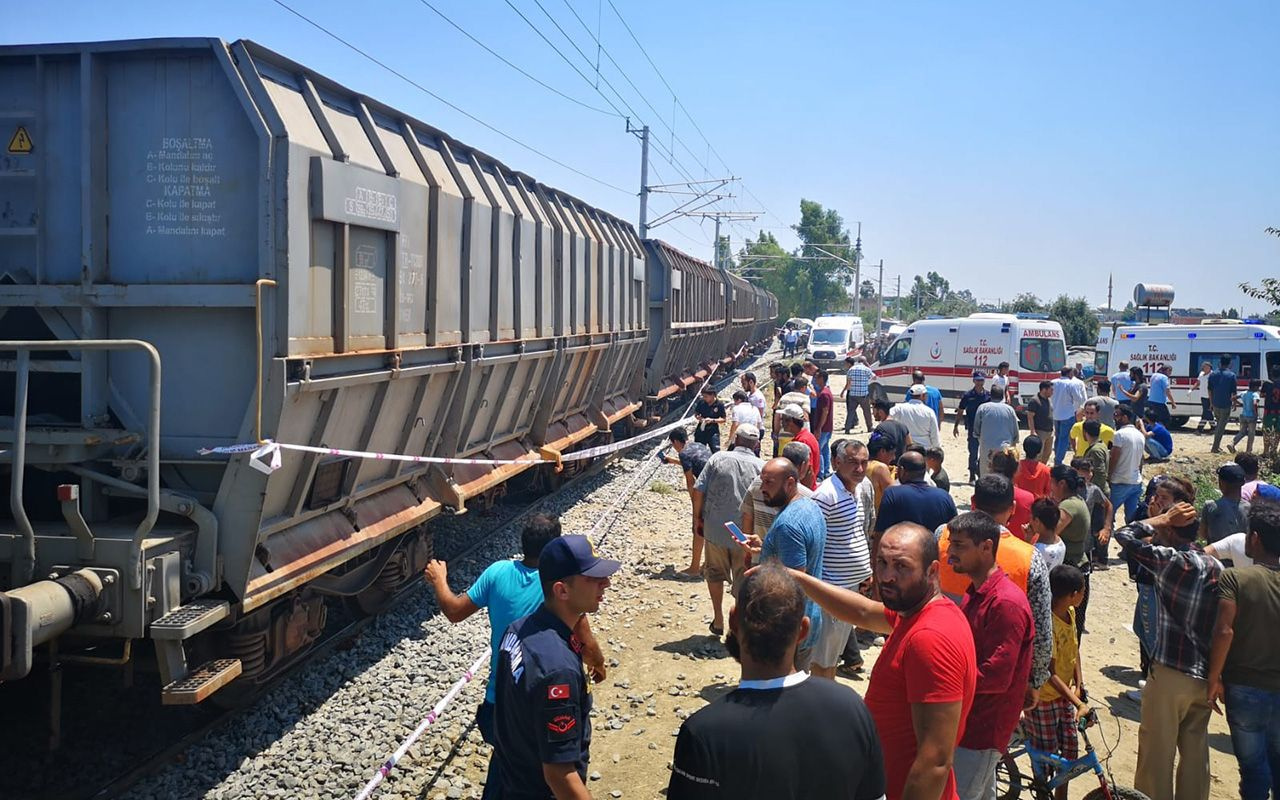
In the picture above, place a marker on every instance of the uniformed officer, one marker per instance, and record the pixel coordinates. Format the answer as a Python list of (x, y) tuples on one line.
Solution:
[(543, 693)]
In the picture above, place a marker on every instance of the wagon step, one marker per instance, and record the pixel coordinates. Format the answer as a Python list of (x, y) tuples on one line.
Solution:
[(201, 682), (188, 620)]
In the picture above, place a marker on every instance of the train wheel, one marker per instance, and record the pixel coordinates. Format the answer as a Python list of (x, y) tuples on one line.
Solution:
[(404, 566)]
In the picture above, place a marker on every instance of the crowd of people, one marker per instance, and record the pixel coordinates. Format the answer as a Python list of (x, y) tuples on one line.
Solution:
[(830, 547)]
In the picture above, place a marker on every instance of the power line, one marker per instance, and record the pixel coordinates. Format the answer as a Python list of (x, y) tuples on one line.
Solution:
[(677, 102), (440, 99), (504, 60)]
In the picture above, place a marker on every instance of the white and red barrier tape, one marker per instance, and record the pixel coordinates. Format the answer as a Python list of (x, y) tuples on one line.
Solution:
[(265, 456), (427, 722)]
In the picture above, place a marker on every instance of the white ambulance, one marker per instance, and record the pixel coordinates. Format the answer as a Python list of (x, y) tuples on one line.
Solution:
[(1254, 350), (833, 338), (948, 351)]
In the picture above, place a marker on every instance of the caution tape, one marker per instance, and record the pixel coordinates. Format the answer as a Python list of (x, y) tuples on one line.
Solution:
[(265, 456), (427, 722)]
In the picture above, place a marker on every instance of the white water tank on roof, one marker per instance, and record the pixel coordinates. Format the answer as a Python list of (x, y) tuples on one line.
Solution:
[(1153, 294)]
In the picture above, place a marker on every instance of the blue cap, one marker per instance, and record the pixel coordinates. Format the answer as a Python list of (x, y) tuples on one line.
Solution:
[(566, 556), (979, 375)]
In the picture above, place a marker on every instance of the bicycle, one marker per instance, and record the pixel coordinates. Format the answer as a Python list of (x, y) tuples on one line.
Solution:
[(1050, 770)]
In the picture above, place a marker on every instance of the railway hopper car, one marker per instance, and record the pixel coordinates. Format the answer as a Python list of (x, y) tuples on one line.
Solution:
[(700, 318), (207, 244)]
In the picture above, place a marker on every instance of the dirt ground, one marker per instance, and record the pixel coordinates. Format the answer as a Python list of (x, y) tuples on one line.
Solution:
[(666, 664)]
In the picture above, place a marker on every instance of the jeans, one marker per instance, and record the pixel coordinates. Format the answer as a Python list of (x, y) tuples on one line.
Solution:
[(1061, 438), (1159, 412), (1253, 716), (1156, 450), (1220, 417), (1206, 415), (1126, 495), (975, 772), (824, 453), (1144, 616)]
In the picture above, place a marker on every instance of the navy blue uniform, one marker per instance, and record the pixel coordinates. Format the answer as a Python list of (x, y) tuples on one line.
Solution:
[(543, 703), (969, 403)]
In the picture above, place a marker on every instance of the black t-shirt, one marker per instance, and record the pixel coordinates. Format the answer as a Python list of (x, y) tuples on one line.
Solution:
[(1042, 407), (916, 502), (896, 433), (813, 739), (710, 433), (543, 705)]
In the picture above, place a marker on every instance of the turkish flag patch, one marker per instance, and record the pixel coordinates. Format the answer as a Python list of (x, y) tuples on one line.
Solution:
[(561, 725), (558, 691)]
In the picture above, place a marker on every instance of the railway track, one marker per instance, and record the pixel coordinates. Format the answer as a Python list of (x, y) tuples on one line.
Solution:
[(206, 722)]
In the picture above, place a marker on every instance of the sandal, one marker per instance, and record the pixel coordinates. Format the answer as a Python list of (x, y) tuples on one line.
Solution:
[(716, 631)]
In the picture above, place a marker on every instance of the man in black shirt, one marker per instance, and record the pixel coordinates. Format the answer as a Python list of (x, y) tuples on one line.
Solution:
[(968, 408), (543, 699), (891, 429), (781, 734), (709, 412), (1040, 419), (913, 499)]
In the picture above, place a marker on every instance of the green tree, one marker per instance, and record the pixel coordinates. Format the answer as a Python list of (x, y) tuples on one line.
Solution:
[(1268, 289), (1025, 303), (867, 290), (723, 253), (1079, 324), (1130, 312), (773, 268), (825, 248)]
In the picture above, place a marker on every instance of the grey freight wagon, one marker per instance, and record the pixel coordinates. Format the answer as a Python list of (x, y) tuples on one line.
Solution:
[(204, 244)]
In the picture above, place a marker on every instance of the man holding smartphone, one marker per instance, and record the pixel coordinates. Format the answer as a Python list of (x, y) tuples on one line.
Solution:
[(717, 499)]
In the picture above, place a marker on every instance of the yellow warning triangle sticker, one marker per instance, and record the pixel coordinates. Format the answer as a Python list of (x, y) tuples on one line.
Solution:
[(21, 141)]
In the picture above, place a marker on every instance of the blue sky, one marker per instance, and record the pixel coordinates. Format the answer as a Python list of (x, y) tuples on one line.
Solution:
[(1010, 146)]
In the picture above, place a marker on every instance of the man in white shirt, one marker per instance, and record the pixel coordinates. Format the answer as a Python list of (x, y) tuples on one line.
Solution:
[(743, 413), (846, 554), (1202, 394), (1000, 381), (1127, 447), (1068, 397), (1231, 548), (754, 396), (920, 420)]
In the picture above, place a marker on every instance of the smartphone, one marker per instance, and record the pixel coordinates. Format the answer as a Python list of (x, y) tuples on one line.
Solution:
[(735, 531)]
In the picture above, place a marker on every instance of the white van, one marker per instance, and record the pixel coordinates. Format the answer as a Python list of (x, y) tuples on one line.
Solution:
[(834, 337), (1254, 351), (948, 351)]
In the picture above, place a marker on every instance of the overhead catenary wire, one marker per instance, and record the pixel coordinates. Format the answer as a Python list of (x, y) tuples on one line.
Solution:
[(664, 152), (676, 101), (515, 67), (453, 106)]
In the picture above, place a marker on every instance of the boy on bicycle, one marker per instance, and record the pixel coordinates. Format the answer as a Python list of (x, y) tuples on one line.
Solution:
[(1051, 725)]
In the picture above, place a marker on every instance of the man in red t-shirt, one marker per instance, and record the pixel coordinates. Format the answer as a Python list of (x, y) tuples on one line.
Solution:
[(1000, 619), (791, 417), (922, 686), (1005, 462), (824, 421)]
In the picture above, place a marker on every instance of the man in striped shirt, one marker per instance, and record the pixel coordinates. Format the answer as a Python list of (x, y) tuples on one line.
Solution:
[(846, 555)]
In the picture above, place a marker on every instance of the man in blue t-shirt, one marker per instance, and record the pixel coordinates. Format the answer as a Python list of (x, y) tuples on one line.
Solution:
[(509, 590), (1159, 441), (796, 538), (1222, 396), (1159, 398)]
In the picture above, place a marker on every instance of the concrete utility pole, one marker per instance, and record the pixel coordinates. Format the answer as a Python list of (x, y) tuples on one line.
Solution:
[(857, 273), (880, 304), (643, 134), (747, 216)]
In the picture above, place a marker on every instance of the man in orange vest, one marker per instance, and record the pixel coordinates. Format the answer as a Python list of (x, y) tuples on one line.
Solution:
[(1020, 561)]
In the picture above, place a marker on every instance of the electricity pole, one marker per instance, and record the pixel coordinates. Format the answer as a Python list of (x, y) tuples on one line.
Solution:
[(732, 216), (880, 304), (643, 134), (857, 273)]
